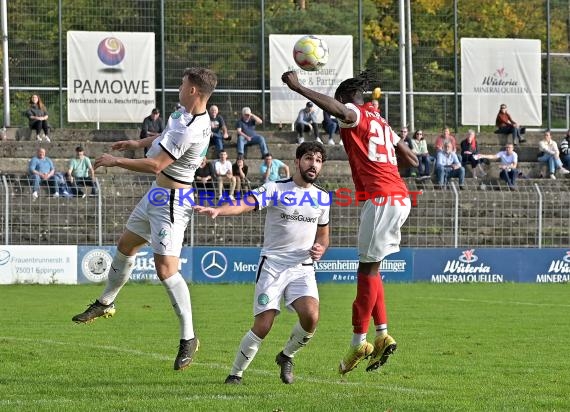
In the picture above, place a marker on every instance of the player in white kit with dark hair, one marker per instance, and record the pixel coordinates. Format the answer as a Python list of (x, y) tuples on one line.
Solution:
[(296, 234), (173, 156)]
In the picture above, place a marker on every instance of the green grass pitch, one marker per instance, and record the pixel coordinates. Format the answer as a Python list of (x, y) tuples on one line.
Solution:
[(463, 347)]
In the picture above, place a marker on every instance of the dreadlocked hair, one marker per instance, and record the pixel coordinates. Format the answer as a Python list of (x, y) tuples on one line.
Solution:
[(360, 83)]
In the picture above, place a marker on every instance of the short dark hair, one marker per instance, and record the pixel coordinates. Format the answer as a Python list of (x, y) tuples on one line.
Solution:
[(155, 111), (204, 79), (266, 155), (311, 147), (79, 149)]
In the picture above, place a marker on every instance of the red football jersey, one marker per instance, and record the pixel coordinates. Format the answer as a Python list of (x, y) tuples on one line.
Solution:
[(370, 145)]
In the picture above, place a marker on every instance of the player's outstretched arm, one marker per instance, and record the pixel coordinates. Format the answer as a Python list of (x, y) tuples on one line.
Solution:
[(123, 145), (405, 155), (327, 103), (228, 209)]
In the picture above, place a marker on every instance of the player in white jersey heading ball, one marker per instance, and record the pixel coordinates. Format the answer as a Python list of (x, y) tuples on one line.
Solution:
[(173, 156), (296, 234)]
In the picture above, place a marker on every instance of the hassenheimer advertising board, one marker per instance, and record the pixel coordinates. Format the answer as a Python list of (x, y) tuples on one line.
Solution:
[(285, 104), (497, 71), (110, 76)]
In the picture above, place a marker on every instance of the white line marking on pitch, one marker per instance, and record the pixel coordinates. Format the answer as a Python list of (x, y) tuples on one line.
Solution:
[(219, 366)]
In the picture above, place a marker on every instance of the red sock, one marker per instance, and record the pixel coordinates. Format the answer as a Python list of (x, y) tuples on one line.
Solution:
[(379, 312), (366, 293)]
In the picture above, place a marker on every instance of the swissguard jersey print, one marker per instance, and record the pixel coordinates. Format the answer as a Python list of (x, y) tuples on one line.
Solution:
[(293, 215), (370, 145), (185, 139)]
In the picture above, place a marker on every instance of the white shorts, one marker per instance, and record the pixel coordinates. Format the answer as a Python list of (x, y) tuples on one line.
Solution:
[(379, 232), (275, 281), (161, 225)]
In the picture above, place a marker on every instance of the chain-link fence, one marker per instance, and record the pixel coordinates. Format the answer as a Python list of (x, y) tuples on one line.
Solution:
[(230, 36), (537, 215)]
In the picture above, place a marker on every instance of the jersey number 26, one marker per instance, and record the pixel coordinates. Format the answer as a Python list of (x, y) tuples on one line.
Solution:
[(380, 146)]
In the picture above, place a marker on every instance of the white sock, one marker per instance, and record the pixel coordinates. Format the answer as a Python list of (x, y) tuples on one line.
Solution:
[(381, 330), (247, 350), (179, 295), (299, 339), (358, 339), (119, 273)]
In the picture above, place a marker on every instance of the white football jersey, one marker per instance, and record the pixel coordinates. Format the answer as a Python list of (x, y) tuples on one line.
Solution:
[(185, 139), (293, 215)]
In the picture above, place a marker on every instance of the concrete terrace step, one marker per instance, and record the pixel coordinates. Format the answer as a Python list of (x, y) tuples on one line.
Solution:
[(281, 143), (278, 136)]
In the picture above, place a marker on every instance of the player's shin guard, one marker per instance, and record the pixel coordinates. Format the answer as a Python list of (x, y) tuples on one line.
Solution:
[(119, 273), (366, 292), (379, 311), (179, 295), (299, 339), (247, 350)]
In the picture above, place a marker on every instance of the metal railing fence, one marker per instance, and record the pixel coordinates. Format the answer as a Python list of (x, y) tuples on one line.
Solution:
[(537, 215), (232, 40)]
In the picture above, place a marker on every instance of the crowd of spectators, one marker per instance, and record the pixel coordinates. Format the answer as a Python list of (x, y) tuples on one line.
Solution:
[(449, 160)]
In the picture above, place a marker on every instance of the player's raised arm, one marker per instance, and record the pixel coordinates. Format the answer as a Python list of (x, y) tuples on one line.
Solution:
[(405, 155), (327, 103), (123, 145)]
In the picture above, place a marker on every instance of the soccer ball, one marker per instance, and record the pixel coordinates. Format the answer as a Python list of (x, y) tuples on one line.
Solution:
[(311, 53)]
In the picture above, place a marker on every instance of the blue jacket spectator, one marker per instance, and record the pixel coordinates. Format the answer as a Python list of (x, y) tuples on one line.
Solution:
[(306, 122), (246, 134), (330, 123), (219, 129), (42, 171)]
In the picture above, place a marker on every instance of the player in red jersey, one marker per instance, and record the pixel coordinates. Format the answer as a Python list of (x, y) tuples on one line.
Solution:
[(371, 146)]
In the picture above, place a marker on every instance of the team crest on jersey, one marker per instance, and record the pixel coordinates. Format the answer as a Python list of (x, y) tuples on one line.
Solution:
[(263, 299), (176, 115), (260, 190)]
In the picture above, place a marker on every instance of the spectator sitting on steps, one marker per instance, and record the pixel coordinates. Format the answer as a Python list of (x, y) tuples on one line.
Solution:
[(151, 126), (246, 134), (42, 172), (550, 155), (506, 125), (446, 136), (224, 174), (307, 122), (38, 117), (271, 169), (419, 147), (81, 173), (330, 124), (565, 150), (239, 170), (509, 162), (469, 151), (447, 165), (204, 176), (219, 129)]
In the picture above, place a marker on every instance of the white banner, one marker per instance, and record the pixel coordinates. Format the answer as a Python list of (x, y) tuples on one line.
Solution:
[(110, 76), (496, 71), (38, 264), (285, 104)]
